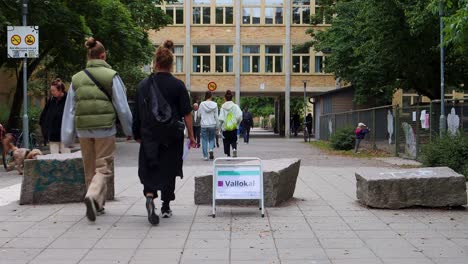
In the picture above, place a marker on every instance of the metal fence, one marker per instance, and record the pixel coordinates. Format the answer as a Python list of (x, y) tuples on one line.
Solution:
[(399, 130)]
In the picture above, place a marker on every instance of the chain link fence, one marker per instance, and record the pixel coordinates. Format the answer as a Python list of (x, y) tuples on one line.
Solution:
[(401, 131)]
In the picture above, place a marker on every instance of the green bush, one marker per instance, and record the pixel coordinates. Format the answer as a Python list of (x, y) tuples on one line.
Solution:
[(343, 139), (448, 151)]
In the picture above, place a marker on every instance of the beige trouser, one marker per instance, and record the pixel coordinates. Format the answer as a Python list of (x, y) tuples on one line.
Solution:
[(57, 147), (98, 161)]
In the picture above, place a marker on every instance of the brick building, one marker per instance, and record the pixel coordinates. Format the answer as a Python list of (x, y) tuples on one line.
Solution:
[(246, 46)]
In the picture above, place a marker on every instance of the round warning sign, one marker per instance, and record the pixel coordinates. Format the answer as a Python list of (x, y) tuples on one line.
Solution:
[(15, 40), (212, 86), (30, 39)]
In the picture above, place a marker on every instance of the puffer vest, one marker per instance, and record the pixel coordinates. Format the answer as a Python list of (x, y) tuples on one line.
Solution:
[(93, 108)]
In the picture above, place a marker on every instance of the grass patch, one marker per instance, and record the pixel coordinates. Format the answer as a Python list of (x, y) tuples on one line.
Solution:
[(326, 147)]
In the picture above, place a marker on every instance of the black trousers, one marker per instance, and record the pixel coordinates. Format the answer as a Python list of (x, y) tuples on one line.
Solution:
[(196, 133), (229, 140), (246, 134)]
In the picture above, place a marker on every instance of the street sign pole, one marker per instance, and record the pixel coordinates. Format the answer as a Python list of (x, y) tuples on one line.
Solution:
[(443, 122), (25, 85)]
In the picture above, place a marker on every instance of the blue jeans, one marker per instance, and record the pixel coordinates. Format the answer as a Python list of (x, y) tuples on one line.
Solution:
[(208, 139)]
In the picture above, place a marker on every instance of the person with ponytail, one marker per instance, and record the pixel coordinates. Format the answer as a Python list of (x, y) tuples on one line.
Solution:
[(161, 144), (96, 98)]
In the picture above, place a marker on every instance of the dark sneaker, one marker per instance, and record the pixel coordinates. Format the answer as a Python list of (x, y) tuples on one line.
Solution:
[(90, 209), (152, 217), (101, 211), (166, 212), (211, 154)]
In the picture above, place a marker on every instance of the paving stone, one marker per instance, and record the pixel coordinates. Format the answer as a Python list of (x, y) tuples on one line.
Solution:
[(124, 243), (65, 255), (265, 255), (288, 243), (157, 255), (341, 243), (301, 253), (109, 255), (357, 261), (203, 243), (10, 255), (167, 242), (28, 243), (353, 253), (206, 254), (407, 261), (75, 243), (263, 243)]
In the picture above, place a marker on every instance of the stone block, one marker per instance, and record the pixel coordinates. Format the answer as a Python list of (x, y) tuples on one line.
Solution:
[(279, 183), (401, 188), (53, 179)]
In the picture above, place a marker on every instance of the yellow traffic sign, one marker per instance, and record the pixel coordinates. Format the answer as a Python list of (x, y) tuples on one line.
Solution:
[(15, 40), (30, 39)]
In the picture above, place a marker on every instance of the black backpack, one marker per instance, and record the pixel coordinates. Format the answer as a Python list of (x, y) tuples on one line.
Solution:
[(160, 113)]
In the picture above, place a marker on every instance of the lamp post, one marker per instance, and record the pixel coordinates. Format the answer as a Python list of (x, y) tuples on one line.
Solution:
[(442, 121), (305, 98)]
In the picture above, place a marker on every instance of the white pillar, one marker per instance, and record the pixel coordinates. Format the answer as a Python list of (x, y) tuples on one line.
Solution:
[(287, 69), (237, 49), (188, 47)]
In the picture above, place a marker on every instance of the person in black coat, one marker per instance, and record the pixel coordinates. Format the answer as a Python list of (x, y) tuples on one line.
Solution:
[(247, 124), (161, 148), (51, 117)]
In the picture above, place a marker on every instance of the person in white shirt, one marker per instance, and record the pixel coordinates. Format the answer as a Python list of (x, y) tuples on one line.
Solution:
[(208, 112), (230, 117)]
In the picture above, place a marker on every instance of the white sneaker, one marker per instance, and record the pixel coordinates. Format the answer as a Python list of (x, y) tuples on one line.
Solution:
[(205, 159), (234, 153)]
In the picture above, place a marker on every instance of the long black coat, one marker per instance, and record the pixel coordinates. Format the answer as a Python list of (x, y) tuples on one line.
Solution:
[(159, 162), (51, 118)]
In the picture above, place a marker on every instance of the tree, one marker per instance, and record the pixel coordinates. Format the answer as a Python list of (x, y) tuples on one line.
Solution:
[(379, 46), (121, 25)]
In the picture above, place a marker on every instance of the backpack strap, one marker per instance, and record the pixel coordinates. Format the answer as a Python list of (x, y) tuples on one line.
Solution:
[(98, 84)]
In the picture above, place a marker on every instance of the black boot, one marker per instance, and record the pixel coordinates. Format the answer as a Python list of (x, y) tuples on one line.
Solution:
[(152, 217)]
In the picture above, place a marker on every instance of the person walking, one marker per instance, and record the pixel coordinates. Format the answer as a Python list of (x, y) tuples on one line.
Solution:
[(51, 117), (196, 124), (230, 117), (308, 124), (95, 99), (209, 121), (361, 131), (163, 102), (247, 124)]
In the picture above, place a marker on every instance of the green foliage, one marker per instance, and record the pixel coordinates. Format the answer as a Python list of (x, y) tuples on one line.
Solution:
[(259, 106), (382, 45), (121, 25), (4, 113), (447, 151), (343, 139)]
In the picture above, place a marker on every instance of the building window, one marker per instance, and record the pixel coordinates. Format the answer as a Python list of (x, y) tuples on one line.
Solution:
[(273, 59), (319, 63), (251, 11), (175, 10), (201, 58), (274, 12), (301, 60), (251, 59), (179, 59), (224, 12), (201, 12), (224, 59), (301, 12)]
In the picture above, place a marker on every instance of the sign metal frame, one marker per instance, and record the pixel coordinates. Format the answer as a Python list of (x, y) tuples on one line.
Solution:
[(259, 164)]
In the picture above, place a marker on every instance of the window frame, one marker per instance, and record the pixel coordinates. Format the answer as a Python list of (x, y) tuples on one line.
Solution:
[(251, 56), (264, 8), (224, 56), (202, 8), (224, 9), (319, 54), (176, 55), (301, 56), (202, 59), (274, 57), (301, 16), (175, 7), (251, 7)]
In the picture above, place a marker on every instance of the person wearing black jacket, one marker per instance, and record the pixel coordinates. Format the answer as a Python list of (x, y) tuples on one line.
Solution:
[(247, 124), (51, 117)]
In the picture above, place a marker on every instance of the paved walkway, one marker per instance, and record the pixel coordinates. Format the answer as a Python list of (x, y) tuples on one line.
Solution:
[(323, 224)]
